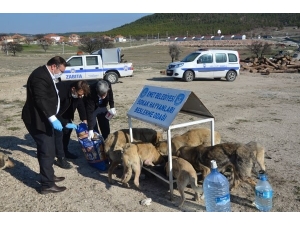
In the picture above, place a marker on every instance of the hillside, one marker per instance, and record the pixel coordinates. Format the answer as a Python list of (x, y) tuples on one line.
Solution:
[(162, 25)]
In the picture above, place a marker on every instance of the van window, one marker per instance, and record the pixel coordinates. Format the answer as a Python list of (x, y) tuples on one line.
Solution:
[(76, 61), (221, 58), (232, 57), (206, 58), (191, 57), (91, 60)]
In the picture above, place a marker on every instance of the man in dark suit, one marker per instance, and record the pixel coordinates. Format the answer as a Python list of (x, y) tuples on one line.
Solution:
[(70, 94), (39, 116), (96, 103)]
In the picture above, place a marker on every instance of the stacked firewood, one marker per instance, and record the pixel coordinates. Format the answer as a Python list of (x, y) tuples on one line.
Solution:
[(276, 64)]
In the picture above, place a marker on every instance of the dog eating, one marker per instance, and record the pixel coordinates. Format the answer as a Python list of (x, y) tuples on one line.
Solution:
[(193, 137), (115, 142), (185, 174), (235, 159), (135, 155)]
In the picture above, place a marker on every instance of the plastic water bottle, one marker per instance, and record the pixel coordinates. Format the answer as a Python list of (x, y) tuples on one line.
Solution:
[(216, 191), (263, 194)]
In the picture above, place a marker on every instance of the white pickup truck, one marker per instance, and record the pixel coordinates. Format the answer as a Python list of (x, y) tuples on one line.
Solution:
[(103, 64)]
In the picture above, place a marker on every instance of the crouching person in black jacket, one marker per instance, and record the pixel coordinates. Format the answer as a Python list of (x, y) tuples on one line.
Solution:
[(101, 95), (71, 95)]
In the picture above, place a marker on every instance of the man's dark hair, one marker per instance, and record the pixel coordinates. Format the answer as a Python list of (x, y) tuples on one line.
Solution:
[(57, 60), (82, 84)]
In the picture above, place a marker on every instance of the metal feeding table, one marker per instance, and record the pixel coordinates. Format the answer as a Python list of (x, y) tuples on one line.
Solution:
[(160, 106)]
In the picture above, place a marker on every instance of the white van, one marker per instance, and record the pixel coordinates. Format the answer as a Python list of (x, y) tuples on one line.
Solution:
[(206, 63)]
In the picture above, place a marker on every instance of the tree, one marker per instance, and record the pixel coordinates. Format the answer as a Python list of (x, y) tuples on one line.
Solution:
[(45, 43), (255, 47), (174, 51), (4, 47), (266, 49), (14, 47), (90, 44), (259, 48)]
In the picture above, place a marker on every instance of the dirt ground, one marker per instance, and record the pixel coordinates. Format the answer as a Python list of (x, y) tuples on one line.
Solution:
[(252, 108)]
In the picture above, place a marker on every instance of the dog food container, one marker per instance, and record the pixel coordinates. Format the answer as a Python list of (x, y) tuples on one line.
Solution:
[(109, 115)]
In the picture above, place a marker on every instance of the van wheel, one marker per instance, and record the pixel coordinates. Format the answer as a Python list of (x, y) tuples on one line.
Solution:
[(231, 75), (188, 76), (112, 77)]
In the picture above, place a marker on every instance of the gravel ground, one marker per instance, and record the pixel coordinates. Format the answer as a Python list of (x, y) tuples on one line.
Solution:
[(252, 108)]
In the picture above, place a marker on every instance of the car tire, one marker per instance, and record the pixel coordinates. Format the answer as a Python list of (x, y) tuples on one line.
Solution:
[(188, 76), (231, 75), (112, 77)]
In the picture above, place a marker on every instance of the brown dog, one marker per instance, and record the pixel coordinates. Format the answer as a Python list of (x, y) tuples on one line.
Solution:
[(185, 174), (239, 158), (134, 156), (193, 137), (5, 162), (115, 142)]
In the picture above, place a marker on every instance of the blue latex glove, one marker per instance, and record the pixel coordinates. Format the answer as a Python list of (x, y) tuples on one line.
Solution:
[(71, 126), (56, 124)]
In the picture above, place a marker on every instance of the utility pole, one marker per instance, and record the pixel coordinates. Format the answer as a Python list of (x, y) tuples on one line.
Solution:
[(63, 45), (158, 37)]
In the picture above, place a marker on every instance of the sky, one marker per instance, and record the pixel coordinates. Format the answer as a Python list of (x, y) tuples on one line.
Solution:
[(34, 17), (41, 23)]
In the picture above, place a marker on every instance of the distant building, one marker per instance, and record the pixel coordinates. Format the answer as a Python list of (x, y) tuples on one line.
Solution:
[(73, 39), (120, 38)]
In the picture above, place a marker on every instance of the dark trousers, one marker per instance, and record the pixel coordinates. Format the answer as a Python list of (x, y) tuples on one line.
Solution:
[(103, 125), (66, 138), (62, 139), (45, 146), (59, 149)]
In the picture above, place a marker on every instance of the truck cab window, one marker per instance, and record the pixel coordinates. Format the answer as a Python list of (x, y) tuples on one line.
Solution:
[(76, 61), (91, 60)]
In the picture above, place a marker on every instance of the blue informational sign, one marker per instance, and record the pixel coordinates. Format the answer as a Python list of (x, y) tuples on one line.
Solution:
[(158, 105)]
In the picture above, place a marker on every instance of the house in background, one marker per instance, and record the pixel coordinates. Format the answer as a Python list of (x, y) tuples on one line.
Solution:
[(74, 39), (120, 38), (53, 37), (18, 38)]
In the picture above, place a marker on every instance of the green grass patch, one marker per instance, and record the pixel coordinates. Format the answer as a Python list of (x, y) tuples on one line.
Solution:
[(13, 128)]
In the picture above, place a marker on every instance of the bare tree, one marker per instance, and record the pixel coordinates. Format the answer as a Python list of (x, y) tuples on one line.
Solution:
[(90, 44), (266, 49), (174, 51), (259, 48)]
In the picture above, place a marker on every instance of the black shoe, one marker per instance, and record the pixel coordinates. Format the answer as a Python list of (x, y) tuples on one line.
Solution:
[(69, 155), (63, 163), (58, 179), (53, 189)]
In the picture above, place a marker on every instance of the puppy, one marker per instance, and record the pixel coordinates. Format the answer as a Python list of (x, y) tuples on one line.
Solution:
[(193, 137), (5, 162), (115, 142), (134, 156), (237, 158), (185, 174)]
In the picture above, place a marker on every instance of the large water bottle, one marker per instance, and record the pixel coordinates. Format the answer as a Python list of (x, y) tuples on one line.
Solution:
[(216, 191), (263, 194)]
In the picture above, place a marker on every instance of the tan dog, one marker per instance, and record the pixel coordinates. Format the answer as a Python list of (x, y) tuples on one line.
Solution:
[(5, 162), (193, 137), (185, 174), (116, 141), (239, 158), (134, 156)]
